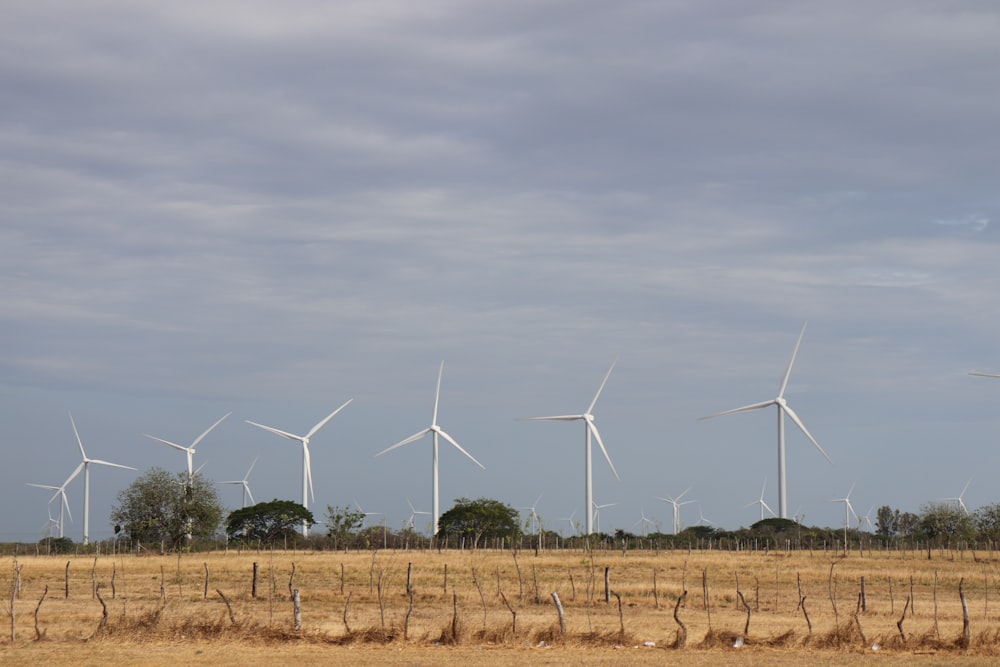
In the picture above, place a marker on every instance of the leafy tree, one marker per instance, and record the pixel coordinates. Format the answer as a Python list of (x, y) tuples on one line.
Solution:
[(887, 522), (909, 523), (479, 520), (987, 521), (943, 521), (57, 545), (266, 522), (163, 506), (342, 523)]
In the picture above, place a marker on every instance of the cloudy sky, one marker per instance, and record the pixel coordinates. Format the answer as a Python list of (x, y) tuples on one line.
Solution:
[(269, 208)]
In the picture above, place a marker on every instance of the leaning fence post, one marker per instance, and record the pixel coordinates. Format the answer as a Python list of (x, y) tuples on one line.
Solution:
[(559, 609)]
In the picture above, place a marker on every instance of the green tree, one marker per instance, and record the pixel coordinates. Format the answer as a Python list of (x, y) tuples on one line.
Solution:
[(266, 522), (479, 520), (163, 506), (886, 522), (342, 523), (987, 521), (945, 522)]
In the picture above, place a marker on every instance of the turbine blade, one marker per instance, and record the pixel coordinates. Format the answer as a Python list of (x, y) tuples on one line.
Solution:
[(250, 469), (72, 476), (208, 430), (412, 438), (601, 388), (597, 436), (328, 418), (77, 434), (558, 418), (459, 447), (798, 422), (109, 463), (437, 394), (788, 371), (246, 486), (745, 408), (984, 375), (283, 434), (167, 442), (684, 494)]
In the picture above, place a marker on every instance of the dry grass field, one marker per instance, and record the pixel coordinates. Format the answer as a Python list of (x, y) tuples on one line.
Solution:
[(488, 606)]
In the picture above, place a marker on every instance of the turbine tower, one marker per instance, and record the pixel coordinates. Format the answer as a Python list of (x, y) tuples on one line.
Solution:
[(589, 429), (307, 482), (783, 409), (435, 431), (85, 467)]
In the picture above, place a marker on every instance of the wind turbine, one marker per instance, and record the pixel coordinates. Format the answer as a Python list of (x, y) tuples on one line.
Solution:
[(574, 527), (783, 409), (589, 428), (677, 508), (643, 521), (702, 519), (435, 431), (411, 522), (245, 482), (848, 511), (959, 500), (866, 520), (85, 467), (761, 502), (532, 514), (597, 513), (60, 491), (307, 482), (189, 450)]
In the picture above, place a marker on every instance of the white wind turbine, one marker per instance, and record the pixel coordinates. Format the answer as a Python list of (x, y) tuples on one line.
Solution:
[(190, 449), (761, 502), (574, 527), (783, 409), (589, 429), (848, 511), (702, 520), (435, 431), (866, 520), (307, 482), (960, 499), (411, 522), (597, 513), (677, 508), (643, 521), (64, 505), (85, 467), (532, 514), (245, 482)]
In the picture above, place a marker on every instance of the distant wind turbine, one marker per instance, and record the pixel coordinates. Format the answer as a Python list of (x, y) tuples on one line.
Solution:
[(643, 521), (574, 527), (590, 429), (783, 409), (761, 502), (848, 511), (435, 431), (60, 491), (307, 482), (191, 448), (960, 499), (411, 522), (597, 513), (245, 483), (677, 508), (85, 467), (532, 514), (702, 520)]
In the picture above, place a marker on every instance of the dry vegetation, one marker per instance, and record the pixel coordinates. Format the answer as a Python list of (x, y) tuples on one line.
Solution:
[(489, 605)]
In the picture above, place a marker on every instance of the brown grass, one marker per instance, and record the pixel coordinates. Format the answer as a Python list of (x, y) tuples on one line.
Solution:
[(190, 626)]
